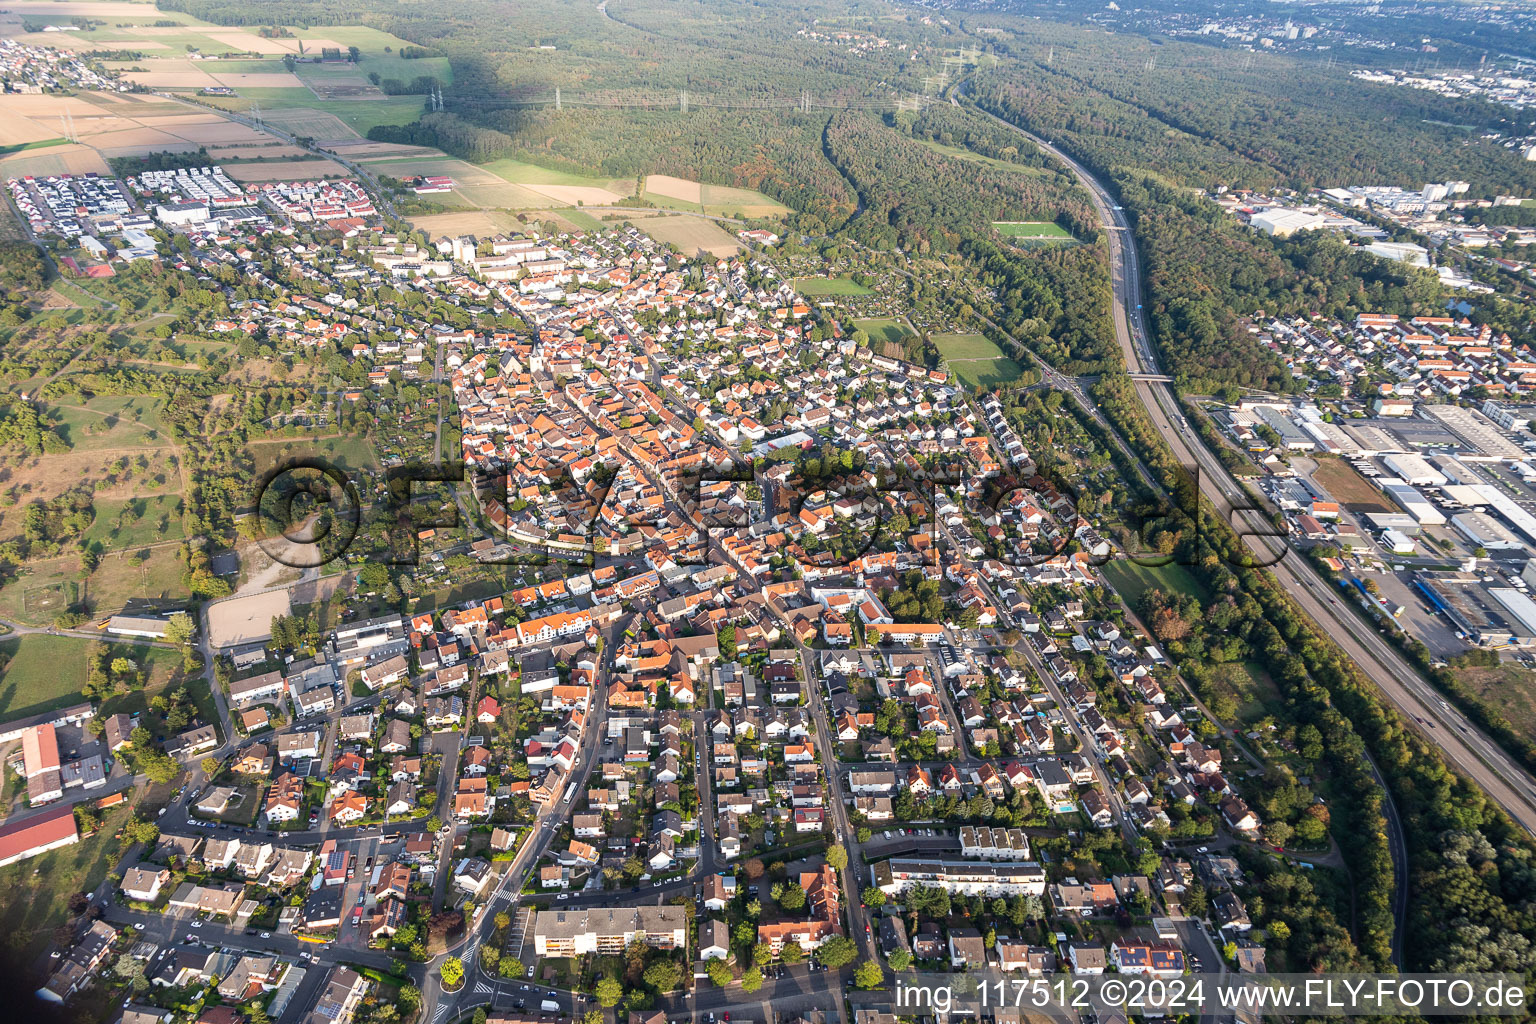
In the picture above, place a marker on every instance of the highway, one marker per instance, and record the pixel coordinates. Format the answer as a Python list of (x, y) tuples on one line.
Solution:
[(1464, 746)]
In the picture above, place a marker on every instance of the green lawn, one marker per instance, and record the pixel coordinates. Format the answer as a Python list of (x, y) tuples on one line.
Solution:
[(981, 374), (816, 286), (976, 360), (41, 673), (966, 346), (1132, 580), (1031, 229), (893, 331)]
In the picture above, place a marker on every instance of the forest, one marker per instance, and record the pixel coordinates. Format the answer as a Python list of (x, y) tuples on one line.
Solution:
[(917, 199)]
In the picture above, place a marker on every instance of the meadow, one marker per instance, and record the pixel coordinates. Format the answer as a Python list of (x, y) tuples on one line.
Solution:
[(823, 286)]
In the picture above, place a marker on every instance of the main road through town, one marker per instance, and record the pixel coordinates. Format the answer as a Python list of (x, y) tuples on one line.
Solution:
[(1473, 753)]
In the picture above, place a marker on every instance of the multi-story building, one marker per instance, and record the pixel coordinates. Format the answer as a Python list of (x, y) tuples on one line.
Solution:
[(964, 877), (607, 930)]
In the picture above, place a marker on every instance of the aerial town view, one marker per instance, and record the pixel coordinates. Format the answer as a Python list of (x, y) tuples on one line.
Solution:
[(838, 512)]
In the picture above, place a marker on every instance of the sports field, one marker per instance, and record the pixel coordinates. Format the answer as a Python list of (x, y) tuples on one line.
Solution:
[(820, 286), (976, 361), (1031, 229)]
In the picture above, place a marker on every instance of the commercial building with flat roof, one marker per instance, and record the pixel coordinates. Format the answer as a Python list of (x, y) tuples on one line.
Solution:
[(607, 930), (1481, 434), (1477, 615), (1484, 531)]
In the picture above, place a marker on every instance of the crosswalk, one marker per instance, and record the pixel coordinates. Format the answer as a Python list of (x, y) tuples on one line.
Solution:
[(468, 956)]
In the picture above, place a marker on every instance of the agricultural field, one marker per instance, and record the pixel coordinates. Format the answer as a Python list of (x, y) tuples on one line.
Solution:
[(534, 174), (1034, 229), (817, 287), (303, 113), (892, 332), (287, 170), (67, 159), (976, 361), (472, 222), (715, 200), (691, 234), (474, 186)]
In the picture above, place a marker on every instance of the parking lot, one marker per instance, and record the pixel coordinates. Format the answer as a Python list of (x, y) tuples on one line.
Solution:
[(68, 204)]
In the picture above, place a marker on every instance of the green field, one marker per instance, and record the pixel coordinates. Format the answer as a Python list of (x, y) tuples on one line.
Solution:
[(976, 360), (110, 421), (349, 453), (359, 115), (966, 346), (41, 673), (1031, 229), (22, 147), (1132, 580), (816, 286), (577, 218), (960, 153), (136, 522), (892, 331)]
